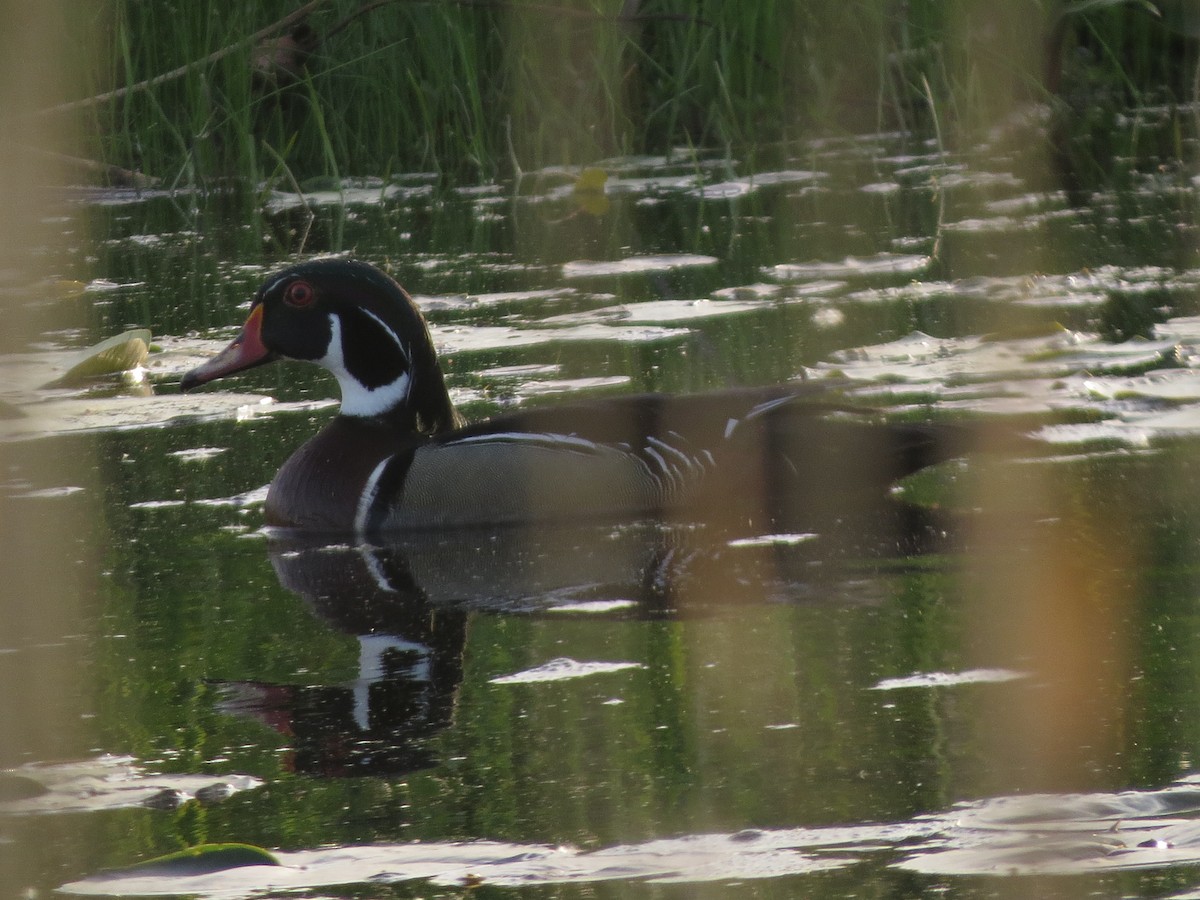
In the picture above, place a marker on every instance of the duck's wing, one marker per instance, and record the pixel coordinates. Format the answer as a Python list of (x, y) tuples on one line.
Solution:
[(516, 477)]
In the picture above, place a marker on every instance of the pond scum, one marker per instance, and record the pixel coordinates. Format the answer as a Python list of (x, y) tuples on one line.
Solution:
[(484, 89)]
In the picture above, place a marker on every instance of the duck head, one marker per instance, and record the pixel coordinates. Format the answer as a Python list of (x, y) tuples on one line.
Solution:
[(352, 319)]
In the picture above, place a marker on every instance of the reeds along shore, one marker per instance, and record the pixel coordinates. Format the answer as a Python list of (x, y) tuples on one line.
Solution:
[(479, 89)]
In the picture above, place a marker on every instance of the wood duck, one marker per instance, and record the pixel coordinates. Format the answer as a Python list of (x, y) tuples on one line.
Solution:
[(399, 456)]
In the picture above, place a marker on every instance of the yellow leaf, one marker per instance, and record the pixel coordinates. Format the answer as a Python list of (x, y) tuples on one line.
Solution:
[(591, 179), (589, 191)]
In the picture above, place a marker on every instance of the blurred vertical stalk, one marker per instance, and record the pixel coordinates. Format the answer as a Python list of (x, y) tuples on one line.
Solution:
[(1048, 593), (43, 553)]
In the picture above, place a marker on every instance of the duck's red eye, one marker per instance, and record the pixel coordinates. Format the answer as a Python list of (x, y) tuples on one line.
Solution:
[(299, 293)]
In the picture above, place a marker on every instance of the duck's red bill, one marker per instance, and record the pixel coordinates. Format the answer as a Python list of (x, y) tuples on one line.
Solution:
[(245, 352)]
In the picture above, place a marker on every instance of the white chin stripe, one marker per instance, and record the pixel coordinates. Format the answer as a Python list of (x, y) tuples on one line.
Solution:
[(360, 401), (357, 399)]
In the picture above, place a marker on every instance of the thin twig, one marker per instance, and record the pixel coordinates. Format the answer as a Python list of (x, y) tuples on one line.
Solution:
[(312, 216), (936, 252), (117, 94), (303, 12), (114, 174)]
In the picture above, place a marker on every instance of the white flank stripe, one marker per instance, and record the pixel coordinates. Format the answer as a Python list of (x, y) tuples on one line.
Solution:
[(547, 439), (688, 461), (768, 406), (375, 567), (367, 497), (662, 464)]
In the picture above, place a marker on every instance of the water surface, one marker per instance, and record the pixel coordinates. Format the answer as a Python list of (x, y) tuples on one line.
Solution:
[(603, 709)]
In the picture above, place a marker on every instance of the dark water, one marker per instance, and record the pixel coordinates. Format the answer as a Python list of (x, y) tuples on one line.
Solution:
[(636, 709)]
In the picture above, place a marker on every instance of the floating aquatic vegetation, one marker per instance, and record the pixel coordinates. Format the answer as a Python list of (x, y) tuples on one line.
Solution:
[(496, 263), (202, 859), (51, 492), (1065, 834), (198, 454), (1005, 224), (108, 782), (1028, 202), (593, 606), (948, 679), (962, 177), (522, 371), (1140, 389), (104, 285), (919, 357), (774, 540), (348, 192), (157, 504), (801, 290), (23, 374), (741, 187), (496, 337), (852, 267), (43, 413), (1035, 834), (633, 265), (649, 185), (653, 311), (689, 859), (536, 388), (255, 497), (438, 303), (562, 669), (119, 353), (881, 187), (589, 191), (121, 413), (51, 402)]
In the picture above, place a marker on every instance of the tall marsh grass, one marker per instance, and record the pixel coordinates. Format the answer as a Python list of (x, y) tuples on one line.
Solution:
[(477, 89)]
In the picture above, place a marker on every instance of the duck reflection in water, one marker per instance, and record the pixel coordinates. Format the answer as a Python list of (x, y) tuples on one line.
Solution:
[(409, 604), (640, 497), (410, 666)]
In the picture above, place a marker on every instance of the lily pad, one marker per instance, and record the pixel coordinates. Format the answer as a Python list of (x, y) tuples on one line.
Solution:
[(658, 311), (948, 679), (117, 354), (850, 267), (686, 859), (203, 860), (120, 413), (562, 669), (103, 783), (1045, 833), (635, 265)]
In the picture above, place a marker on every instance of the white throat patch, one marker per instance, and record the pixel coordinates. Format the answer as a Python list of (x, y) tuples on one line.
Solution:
[(357, 398)]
